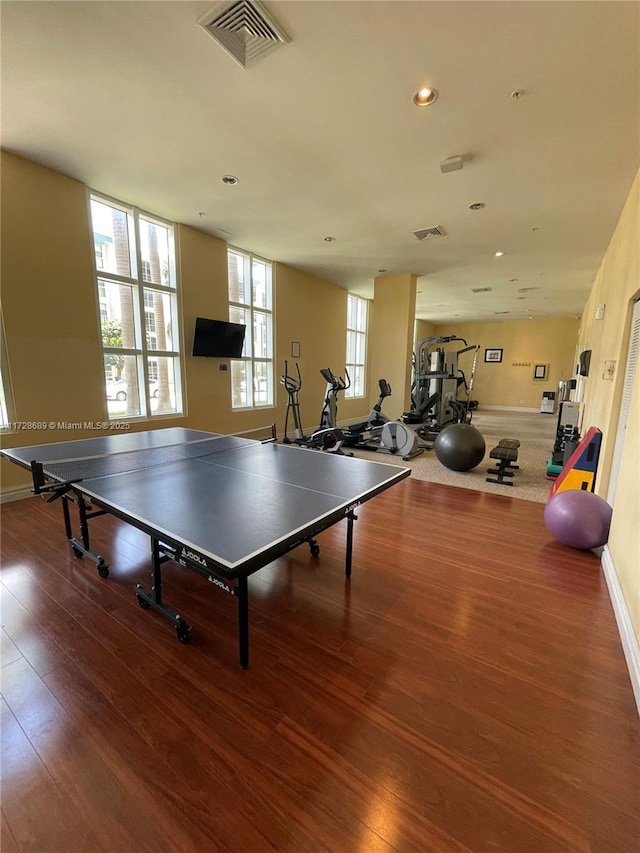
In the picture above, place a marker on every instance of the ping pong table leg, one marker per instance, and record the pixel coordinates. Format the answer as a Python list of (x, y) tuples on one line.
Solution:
[(243, 620), (82, 546), (153, 597), (351, 517)]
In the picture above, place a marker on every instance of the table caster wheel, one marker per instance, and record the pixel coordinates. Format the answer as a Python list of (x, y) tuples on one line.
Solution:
[(184, 632)]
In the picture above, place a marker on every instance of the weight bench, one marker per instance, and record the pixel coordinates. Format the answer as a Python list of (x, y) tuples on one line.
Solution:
[(506, 452)]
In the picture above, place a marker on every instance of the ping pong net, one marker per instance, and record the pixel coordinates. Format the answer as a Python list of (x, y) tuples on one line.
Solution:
[(67, 471)]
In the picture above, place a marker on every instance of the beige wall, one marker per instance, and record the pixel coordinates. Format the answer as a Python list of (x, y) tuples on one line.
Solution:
[(391, 341), (49, 303), (424, 330), (616, 286), (52, 329), (313, 313), (524, 343)]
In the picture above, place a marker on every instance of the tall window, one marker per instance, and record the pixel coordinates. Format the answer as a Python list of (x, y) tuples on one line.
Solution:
[(138, 308), (6, 398), (356, 344), (251, 303)]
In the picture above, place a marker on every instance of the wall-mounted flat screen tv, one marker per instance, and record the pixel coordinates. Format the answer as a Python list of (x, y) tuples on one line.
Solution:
[(218, 339)]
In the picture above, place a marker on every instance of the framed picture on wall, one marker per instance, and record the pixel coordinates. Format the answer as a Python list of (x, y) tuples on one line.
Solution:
[(493, 355), (540, 371)]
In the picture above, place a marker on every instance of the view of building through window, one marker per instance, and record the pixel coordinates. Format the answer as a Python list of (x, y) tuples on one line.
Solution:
[(138, 307), (356, 344), (251, 303)]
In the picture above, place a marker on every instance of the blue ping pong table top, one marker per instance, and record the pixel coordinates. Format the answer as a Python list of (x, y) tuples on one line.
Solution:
[(104, 445), (228, 506)]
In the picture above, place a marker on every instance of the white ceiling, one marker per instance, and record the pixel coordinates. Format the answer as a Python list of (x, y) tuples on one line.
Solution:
[(137, 101)]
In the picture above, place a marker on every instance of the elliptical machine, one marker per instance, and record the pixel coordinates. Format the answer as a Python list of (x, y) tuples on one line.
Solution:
[(327, 437), (292, 386), (328, 434)]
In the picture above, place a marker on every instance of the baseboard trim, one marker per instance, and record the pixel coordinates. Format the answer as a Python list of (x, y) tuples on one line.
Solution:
[(508, 409), (625, 627), (15, 493)]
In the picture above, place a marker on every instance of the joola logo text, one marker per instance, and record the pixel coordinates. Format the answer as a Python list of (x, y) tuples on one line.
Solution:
[(195, 558), (221, 584)]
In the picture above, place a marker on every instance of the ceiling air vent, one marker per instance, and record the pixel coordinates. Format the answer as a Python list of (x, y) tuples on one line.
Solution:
[(428, 233), (244, 29), (481, 289)]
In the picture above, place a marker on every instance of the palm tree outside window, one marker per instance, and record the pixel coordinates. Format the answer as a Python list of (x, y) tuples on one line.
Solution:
[(138, 300), (251, 304)]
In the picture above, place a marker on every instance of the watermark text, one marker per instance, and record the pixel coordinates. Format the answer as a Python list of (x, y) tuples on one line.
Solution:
[(67, 425)]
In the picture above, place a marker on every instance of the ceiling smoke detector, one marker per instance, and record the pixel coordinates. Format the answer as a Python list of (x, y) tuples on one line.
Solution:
[(451, 164), (244, 29), (428, 233)]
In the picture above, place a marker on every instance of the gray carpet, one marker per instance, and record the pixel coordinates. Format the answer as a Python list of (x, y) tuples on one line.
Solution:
[(536, 433)]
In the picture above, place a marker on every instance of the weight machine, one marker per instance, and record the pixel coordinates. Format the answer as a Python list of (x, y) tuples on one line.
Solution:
[(437, 380)]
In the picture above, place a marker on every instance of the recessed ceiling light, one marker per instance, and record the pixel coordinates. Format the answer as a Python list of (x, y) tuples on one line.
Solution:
[(230, 180), (477, 205), (425, 97), (329, 239), (385, 271), (499, 254)]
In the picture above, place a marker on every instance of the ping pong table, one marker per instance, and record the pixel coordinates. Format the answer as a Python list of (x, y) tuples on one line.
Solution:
[(220, 505)]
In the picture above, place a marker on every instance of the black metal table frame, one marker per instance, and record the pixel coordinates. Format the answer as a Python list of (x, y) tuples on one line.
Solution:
[(165, 548)]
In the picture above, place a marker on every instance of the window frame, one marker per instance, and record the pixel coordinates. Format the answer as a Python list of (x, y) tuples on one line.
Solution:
[(353, 366), (7, 410), (142, 352), (249, 360)]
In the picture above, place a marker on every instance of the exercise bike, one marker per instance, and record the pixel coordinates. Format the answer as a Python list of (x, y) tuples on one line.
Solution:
[(379, 433), (369, 430)]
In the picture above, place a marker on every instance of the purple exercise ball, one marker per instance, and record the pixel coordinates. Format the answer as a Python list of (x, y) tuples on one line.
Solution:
[(579, 519)]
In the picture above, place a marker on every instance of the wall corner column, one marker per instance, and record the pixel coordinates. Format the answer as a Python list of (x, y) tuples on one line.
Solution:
[(391, 339)]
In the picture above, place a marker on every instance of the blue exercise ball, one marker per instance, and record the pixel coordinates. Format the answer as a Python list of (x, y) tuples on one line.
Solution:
[(460, 447), (578, 519)]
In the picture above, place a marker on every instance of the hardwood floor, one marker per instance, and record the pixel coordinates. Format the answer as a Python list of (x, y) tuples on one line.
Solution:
[(466, 691)]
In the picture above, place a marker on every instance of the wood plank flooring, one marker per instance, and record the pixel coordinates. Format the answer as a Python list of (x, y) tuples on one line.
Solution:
[(466, 691)]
